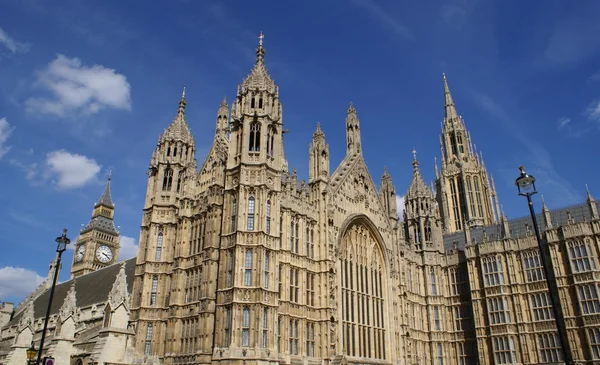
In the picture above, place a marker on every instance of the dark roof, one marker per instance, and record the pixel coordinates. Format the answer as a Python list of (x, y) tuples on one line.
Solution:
[(106, 199), (519, 226), (92, 288), (101, 223)]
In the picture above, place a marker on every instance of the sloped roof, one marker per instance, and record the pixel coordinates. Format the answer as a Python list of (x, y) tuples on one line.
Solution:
[(92, 288)]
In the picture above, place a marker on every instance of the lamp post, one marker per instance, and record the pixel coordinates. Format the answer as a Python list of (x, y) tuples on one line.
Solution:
[(62, 241), (31, 352), (526, 186)]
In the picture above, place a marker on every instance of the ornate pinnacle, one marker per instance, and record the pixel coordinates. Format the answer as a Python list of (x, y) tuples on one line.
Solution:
[(260, 51)]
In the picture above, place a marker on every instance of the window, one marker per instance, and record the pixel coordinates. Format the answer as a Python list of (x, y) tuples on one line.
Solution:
[(153, 290), (594, 334), (307, 239), (462, 356), (265, 329), (252, 103), (310, 289), (459, 141), (159, 243), (297, 237), (433, 283), (266, 274), (458, 281), (278, 333), (549, 347), (148, 345), (504, 350), (478, 196), (427, 230), (312, 244), (293, 337), (268, 226), (248, 268), (310, 339), (270, 141), (455, 205), (362, 299), (251, 213), (179, 177), (492, 271), (541, 307), (498, 310), (167, 179), (254, 145), (203, 237), (292, 236), (294, 285), (534, 270), (588, 298), (436, 318), (230, 269), (471, 196), (439, 355), (453, 144), (246, 327), (458, 318), (227, 326), (581, 256), (260, 103), (233, 215)]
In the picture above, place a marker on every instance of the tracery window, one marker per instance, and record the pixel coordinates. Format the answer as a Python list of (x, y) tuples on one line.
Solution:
[(493, 273), (455, 207), (294, 285), (230, 264), (148, 344), (310, 339), (266, 269), (268, 211), (234, 215), (270, 141), (594, 334), (534, 270), (471, 196), (167, 179), (246, 327), (159, 242), (427, 230), (310, 288), (498, 310), (153, 290), (478, 196), (581, 256), (254, 142), (362, 280), (248, 268), (459, 141), (227, 326), (588, 298), (433, 280), (541, 307), (265, 327), (549, 347), (504, 350), (293, 337), (251, 213)]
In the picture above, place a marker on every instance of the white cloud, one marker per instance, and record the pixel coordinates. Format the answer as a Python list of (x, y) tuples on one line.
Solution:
[(12, 45), (5, 132), (18, 282), (129, 247), (593, 112), (399, 205), (564, 122), (78, 88), (72, 170)]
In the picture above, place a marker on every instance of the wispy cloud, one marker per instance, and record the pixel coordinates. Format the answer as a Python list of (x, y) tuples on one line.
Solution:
[(569, 128), (5, 132), (12, 45), (542, 164), (384, 19), (30, 169), (77, 88), (453, 15), (71, 170), (593, 112)]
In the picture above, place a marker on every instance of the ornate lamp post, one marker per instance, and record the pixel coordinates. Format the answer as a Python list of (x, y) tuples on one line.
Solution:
[(526, 186), (62, 241), (31, 352)]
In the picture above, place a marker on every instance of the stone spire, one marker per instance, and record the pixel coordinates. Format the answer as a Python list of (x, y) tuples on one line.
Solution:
[(179, 129), (259, 77), (118, 294), (592, 204), (417, 185), (69, 305), (353, 145), (106, 199), (448, 102), (222, 118)]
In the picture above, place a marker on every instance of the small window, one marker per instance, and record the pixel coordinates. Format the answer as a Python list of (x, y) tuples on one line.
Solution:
[(251, 213), (260, 103), (254, 138)]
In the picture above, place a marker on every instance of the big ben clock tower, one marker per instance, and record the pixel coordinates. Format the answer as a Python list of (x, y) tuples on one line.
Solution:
[(98, 243)]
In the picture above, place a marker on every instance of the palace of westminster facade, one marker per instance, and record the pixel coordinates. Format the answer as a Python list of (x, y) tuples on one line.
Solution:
[(242, 263)]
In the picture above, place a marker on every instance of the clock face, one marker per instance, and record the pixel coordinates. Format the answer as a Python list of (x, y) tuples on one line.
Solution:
[(104, 254), (79, 253)]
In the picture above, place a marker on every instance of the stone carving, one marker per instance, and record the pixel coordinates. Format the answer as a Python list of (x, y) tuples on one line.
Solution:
[(118, 293)]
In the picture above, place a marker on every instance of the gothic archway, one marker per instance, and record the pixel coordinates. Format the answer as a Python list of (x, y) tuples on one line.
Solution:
[(362, 276)]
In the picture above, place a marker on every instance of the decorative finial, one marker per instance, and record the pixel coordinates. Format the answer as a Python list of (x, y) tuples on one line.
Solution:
[(183, 92), (260, 39), (414, 152), (109, 174), (444, 75)]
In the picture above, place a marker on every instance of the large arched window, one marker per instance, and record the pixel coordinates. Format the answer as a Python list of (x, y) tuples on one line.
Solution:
[(363, 294), (254, 142), (168, 179), (159, 243)]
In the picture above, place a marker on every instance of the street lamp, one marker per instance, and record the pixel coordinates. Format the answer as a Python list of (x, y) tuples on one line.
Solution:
[(31, 352), (526, 186), (62, 241)]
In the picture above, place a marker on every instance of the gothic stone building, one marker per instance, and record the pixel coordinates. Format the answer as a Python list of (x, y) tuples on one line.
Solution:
[(242, 263)]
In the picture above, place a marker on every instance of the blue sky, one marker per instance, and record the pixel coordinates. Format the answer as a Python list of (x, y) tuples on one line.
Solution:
[(89, 86)]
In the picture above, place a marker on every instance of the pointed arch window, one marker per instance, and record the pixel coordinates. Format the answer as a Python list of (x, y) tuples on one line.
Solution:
[(234, 215), (268, 225), (433, 279), (179, 178), (148, 344), (260, 103), (251, 213), (248, 268), (459, 141), (168, 151), (227, 326), (159, 243), (270, 141), (246, 327), (230, 269), (478, 196), (266, 268), (252, 101), (254, 142), (153, 290), (471, 195), (168, 179), (427, 230), (453, 144)]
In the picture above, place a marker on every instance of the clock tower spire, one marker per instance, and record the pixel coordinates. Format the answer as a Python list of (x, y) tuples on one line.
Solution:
[(98, 243)]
